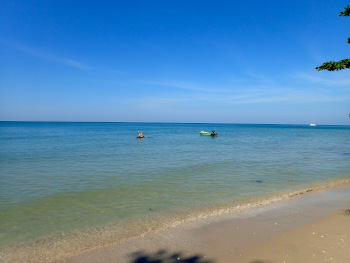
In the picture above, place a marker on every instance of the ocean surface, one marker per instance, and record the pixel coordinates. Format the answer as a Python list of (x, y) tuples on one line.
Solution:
[(72, 186)]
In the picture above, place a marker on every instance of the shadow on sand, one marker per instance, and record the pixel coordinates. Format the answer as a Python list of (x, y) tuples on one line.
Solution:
[(163, 256)]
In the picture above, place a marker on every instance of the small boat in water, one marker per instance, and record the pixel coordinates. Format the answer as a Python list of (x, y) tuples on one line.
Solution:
[(140, 136), (213, 133)]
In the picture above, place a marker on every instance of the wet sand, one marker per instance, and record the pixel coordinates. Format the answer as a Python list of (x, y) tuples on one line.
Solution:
[(312, 227)]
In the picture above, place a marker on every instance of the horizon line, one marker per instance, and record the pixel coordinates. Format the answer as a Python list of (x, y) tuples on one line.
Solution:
[(160, 122)]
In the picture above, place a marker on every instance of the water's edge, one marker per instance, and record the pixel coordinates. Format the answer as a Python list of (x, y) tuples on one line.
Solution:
[(57, 247)]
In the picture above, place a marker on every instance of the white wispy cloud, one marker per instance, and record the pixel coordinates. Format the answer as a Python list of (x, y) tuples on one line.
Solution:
[(240, 96), (198, 87), (255, 88), (332, 79), (46, 55)]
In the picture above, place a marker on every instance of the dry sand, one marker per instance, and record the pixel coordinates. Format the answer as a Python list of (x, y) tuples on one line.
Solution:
[(313, 227), (326, 240)]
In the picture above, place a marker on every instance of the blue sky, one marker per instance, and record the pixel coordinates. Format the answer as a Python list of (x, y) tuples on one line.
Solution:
[(174, 61)]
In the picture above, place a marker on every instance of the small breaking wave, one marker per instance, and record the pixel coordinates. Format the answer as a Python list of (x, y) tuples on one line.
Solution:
[(50, 249)]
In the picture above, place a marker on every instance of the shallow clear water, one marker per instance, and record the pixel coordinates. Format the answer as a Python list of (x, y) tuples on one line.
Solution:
[(59, 177)]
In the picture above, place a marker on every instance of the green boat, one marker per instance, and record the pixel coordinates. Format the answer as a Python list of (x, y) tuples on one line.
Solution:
[(213, 133)]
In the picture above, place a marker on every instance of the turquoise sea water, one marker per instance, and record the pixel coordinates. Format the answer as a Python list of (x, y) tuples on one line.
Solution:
[(62, 178)]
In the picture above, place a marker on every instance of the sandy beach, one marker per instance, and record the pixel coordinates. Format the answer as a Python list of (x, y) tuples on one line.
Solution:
[(311, 227)]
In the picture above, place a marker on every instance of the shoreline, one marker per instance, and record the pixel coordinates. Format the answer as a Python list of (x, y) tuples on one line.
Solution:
[(71, 247), (246, 236)]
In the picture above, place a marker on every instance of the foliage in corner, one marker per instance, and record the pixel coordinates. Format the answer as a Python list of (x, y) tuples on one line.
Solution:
[(333, 66), (342, 64), (346, 12)]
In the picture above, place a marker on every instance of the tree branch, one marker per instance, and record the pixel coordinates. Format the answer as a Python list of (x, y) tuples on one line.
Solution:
[(341, 64), (335, 66), (346, 12)]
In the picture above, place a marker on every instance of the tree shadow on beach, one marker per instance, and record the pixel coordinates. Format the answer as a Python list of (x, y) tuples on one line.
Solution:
[(163, 256)]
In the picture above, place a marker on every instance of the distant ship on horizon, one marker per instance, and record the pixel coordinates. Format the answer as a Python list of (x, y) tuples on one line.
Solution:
[(313, 124)]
